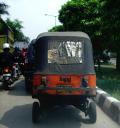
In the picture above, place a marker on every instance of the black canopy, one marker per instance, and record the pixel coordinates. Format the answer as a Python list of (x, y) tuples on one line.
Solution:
[(64, 53)]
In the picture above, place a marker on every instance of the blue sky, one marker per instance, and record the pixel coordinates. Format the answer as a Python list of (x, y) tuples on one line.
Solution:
[(32, 14)]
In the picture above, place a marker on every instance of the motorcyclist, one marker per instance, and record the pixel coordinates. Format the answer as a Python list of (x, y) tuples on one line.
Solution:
[(24, 53), (17, 55), (18, 60), (6, 58), (23, 67), (31, 55)]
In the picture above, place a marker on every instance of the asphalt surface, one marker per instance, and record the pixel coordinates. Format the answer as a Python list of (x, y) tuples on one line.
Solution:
[(16, 112)]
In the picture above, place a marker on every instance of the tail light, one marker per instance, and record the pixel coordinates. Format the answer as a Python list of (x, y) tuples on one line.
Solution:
[(6, 69), (88, 80), (92, 80), (36, 80)]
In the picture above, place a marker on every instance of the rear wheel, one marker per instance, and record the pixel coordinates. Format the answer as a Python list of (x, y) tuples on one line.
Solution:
[(35, 112), (92, 112)]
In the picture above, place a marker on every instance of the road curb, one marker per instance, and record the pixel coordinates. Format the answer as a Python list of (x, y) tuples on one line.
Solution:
[(109, 105)]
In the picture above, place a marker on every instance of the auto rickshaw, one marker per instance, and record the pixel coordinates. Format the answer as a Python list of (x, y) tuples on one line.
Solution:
[(64, 73)]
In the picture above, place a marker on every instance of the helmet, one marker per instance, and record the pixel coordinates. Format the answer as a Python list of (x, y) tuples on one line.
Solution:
[(6, 45)]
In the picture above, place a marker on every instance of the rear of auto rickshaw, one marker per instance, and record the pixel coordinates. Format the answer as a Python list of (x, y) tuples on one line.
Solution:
[(64, 73)]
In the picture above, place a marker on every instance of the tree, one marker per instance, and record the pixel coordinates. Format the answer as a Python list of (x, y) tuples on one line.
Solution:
[(58, 28), (98, 18), (3, 9), (111, 26), (84, 15), (16, 26)]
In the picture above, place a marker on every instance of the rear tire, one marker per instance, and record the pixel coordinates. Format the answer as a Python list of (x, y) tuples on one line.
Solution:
[(35, 112), (92, 112)]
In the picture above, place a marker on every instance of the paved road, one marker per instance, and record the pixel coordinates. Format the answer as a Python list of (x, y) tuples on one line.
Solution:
[(16, 106)]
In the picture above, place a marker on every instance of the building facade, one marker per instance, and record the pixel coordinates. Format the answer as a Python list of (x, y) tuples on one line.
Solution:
[(6, 34)]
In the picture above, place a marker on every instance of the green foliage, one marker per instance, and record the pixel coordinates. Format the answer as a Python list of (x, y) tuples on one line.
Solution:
[(111, 24), (3, 8), (16, 27), (80, 14), (98, 18), (1, 26), (108, 79), (111, 27), (83, 15), (58, 28)]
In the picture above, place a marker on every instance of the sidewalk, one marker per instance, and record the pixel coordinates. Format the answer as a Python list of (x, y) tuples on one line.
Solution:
[(109, 105)]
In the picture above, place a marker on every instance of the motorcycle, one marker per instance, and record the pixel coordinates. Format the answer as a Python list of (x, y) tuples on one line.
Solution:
[(16, 71), (7, 78)]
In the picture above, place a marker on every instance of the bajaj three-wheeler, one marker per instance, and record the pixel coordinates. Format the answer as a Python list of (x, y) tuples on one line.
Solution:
[(64, 73)]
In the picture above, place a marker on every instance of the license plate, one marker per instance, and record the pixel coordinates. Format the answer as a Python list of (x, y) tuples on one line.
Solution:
[(65, 79), (62, 89), (6, 75)]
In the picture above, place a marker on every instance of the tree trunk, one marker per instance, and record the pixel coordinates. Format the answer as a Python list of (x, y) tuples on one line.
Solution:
[(118, 61)]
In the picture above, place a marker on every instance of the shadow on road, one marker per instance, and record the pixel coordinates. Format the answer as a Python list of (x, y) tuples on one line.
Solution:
[(58, 117), (17, 117)]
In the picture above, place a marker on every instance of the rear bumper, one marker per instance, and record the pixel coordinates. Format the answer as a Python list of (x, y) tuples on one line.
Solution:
[(64, 87), (43, 91)]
